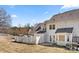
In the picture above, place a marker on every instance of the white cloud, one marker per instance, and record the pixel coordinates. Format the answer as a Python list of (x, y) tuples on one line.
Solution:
[(13, 15), (69, 7)]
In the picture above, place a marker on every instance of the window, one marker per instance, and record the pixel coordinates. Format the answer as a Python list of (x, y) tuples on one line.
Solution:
[(44, 29), (51, 27), (68, 38), (50, 39), (53, 36), (61, 37), (56, 37)]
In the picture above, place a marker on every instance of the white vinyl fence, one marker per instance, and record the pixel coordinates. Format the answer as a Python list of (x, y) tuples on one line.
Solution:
[(24, 39), (36, 39)]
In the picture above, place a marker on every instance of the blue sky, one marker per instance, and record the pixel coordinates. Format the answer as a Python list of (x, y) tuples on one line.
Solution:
[(24, 14)]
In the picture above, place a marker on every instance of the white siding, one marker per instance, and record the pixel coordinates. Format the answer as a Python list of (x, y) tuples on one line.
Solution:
[(40, 38), (65, 20), (68, 23)]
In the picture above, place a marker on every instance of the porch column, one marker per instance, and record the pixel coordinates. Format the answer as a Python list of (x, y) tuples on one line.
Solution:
[(55, 38), (70, 37), (58, 37), (65, 39)]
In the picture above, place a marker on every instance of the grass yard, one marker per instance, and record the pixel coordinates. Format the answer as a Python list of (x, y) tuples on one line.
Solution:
[(6, 46)]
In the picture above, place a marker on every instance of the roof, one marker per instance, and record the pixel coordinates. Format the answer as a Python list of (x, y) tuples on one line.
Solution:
[(38, 28), (38, 25), (70, 11), (64, 30), (42, 31), (66, 12), (56, 15)]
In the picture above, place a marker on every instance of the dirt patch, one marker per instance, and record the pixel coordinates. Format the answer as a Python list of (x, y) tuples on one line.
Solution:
[(6, 45)]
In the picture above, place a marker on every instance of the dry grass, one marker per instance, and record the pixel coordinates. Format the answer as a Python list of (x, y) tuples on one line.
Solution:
[(7, 46)]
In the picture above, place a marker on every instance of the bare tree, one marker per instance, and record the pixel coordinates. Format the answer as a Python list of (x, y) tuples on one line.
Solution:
[(5, 21)]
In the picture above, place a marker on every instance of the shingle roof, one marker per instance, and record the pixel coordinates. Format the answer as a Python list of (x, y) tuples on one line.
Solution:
[(41, 31), (70, 11), (63, 30)]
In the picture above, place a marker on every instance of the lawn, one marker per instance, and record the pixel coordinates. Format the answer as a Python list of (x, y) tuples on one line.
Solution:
[(6, 46)]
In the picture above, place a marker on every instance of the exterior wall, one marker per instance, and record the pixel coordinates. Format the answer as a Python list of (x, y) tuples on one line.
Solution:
[(68, 23), (50, 32), (65, 20), (64, 42), (61, 42), (40, 38), (46, 37)]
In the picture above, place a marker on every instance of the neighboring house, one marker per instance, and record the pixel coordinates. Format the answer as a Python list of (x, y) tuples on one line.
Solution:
[(60, 29)]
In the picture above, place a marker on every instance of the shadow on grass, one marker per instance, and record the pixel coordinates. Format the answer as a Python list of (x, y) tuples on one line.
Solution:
[(58, 46), (55, 45), (23, 43), (52, 45)]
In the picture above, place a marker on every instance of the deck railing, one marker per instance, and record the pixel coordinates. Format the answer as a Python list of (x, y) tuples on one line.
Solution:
[(75, 39)]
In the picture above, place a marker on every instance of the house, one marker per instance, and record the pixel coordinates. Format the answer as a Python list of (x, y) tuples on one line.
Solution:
[(40, 33), (60, 29)]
